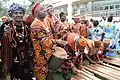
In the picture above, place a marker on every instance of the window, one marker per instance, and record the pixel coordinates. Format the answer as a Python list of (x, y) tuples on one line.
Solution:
[(101, 8), (106, 7), (111, 7), (117, 6)]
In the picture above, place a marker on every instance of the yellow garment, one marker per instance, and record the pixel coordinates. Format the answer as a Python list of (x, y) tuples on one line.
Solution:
[(42, 49)]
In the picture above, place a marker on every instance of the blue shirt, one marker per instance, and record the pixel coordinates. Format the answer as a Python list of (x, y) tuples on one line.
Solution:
[(109, 29), (97, 33)]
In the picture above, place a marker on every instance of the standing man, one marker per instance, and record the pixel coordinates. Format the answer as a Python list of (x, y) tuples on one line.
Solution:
[(50, 16), (14, 37), (109, 30), (65, 27), (75, 28), (42, 43), (64, 21), (52, 21)]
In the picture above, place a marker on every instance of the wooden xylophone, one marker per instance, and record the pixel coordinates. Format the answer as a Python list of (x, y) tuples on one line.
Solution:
[(109, 69)]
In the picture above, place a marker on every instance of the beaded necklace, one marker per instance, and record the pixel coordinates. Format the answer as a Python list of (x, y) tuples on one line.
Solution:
[(20, 35)]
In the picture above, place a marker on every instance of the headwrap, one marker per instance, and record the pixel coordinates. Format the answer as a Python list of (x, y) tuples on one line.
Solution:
[(35, 8), (4, 18), (15, 7)]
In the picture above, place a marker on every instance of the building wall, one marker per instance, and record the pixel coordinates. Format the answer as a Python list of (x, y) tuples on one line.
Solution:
[(105, 8), (93, 8)]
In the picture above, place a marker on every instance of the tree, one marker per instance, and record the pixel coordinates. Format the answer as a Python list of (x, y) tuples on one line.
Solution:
[(35, 0), (3, 10)]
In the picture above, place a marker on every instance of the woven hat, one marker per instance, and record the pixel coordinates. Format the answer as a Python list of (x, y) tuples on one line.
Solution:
[(76, 16), (36, 7)]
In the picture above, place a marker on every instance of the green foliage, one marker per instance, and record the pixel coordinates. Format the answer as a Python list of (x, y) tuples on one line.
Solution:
[(35, 0), (3, 10)]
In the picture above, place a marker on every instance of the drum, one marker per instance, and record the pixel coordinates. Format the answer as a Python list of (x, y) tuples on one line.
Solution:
[(58, 57), (106, 42)]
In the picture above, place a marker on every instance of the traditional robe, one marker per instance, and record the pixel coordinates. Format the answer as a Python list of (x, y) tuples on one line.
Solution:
[(15, 45), (42, 43)]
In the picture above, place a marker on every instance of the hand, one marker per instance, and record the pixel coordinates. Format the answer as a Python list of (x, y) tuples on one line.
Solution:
[(7, 29), (75, 70), (77, 53)]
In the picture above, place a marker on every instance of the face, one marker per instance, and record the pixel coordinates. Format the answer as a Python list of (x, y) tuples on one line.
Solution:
[(18, 15), (63, 18), (50, 11), (41, 13), (76, 20)]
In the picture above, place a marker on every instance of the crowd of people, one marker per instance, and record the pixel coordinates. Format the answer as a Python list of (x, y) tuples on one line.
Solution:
[(40, 45)]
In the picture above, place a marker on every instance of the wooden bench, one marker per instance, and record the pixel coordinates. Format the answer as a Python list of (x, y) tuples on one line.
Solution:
[(85, 75), (100, 72), (108, 70), (112, 61)]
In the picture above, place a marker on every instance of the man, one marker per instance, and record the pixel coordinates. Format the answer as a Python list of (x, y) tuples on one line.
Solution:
[(96, 34), (63, 20), (50, 16), (42, 39), (14, 36), (75, 49), (65, 27), (75, 28), (52, 20), (109, 30), (39, 32)]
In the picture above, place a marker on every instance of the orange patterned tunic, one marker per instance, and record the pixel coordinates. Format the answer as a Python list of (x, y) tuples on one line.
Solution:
[(75, 28), (42, 43)]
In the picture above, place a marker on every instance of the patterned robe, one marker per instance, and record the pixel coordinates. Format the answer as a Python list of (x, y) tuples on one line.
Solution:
[(42, 43), (15, 45), (75, 28), (84, 30), (71, 49)]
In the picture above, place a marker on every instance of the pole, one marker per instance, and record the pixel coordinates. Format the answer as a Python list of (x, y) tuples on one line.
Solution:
[(69, 9)]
